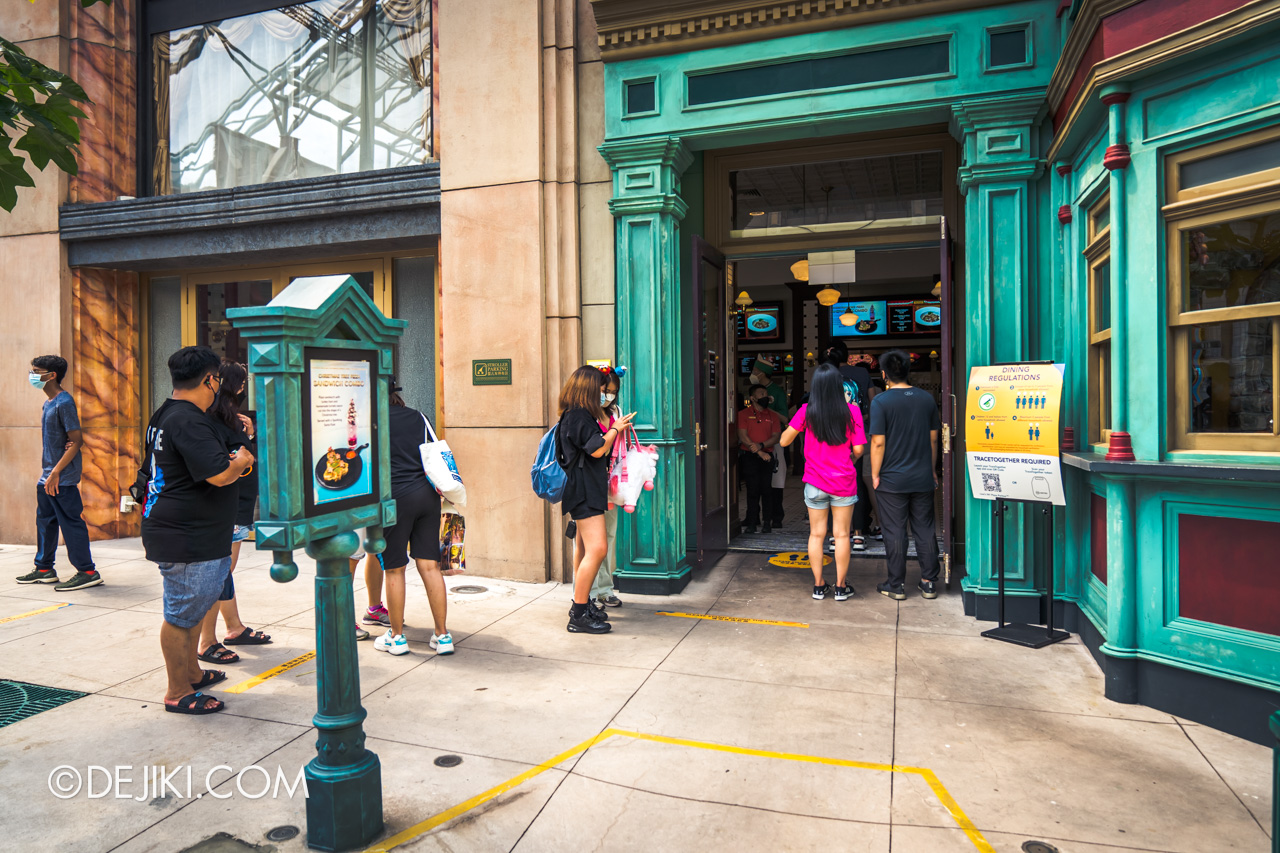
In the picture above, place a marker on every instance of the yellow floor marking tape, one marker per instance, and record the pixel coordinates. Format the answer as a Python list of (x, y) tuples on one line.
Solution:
[(35, 612), (795, 560), (957, 814), (250, 683), (733, 619)]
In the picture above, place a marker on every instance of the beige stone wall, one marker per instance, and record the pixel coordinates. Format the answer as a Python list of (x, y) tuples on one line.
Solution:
[(519, 176)]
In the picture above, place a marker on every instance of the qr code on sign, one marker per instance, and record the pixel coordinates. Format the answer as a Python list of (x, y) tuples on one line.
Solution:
[(990, 482)]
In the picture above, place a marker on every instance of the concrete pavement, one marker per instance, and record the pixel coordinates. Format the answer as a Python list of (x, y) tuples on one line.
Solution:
[(878, 726)]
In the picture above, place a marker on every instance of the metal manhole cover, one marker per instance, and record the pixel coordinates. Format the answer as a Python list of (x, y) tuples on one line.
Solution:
[(19, 700), (1038, 847), (470, 589), (448, 761), (283, 833)]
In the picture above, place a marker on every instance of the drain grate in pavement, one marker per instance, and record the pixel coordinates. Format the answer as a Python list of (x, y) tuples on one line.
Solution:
[(19, 700), (448, 761), (1038, 847), (283, 833), (469, 589)]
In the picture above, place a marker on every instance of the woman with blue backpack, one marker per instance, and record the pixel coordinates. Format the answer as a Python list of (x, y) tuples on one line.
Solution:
[(583, 452), (602, 591)]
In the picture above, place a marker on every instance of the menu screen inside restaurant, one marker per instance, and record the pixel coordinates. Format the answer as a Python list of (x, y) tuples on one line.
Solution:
[(878, 318)]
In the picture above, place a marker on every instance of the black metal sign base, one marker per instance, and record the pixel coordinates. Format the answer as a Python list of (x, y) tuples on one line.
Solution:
[(1030, 636)]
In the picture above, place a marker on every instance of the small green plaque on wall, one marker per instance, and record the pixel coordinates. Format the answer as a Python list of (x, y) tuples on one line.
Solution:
[(491, 371)]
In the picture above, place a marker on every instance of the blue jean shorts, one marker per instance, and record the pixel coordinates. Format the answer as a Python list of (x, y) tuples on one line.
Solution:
[(190, 589), (815, 498), (239, 533)]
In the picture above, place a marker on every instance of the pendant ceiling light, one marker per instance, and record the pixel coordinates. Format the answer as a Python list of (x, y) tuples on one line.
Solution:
[(800, 269), (828, 296), (937, 290), (848, 318)]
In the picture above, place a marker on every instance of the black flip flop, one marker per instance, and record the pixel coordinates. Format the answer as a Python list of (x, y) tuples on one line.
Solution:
[(209, 678), (194, 704), (217, 653), (248, 637)]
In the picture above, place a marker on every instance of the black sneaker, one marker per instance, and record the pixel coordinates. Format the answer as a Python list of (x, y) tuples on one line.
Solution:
[(595, 611), (897, 593), (38, 576), (820, 592), (748, 528), (766, 530), (587, 623), (81, 580), (928, 589), (844, 593)]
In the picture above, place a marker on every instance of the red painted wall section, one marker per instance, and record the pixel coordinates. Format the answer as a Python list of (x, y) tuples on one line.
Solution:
[(1135, 26), (1098, 536), (1228, 572)]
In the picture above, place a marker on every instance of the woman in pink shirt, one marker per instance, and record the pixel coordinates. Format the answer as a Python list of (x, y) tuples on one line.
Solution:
[(834, 439)]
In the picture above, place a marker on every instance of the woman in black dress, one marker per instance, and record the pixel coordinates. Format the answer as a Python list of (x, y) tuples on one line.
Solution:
[(584, 455)]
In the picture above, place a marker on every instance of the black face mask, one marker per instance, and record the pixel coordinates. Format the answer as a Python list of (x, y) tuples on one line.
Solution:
[(762, 402)]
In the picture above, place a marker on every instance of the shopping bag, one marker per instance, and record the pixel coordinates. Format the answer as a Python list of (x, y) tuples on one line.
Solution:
[(453, 549), (632, 471), (441, 469), (779, 468)]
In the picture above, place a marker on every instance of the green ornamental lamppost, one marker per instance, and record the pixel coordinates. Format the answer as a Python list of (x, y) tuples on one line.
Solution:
[(321, 357)]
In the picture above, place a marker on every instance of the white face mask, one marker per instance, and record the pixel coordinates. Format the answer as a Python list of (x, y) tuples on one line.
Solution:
[(609, 398), (756, 380)]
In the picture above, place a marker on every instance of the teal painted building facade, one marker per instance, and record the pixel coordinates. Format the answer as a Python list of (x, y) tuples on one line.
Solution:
[(1092, 157)]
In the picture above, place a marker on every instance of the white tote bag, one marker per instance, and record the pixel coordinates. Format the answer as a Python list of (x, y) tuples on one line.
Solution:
[(441, 469)]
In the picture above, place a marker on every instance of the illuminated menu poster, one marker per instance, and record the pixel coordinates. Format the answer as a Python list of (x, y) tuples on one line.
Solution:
[(902, 317), (339, 441), (927, 316), (871, 319)]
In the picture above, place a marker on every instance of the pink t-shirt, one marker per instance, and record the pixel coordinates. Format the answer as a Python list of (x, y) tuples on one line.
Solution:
[(828, 467)]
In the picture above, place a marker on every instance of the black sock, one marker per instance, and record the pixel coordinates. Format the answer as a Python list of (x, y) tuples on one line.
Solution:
[(580, 609)]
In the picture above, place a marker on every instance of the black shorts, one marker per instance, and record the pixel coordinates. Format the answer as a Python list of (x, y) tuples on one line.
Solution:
[(416, 532)]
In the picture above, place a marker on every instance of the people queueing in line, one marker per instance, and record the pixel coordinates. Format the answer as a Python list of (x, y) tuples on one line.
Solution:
[(858, 390), (188, 519), (833, 441), (762, 375), (904, 458), (415, 534), (376, 613), (759, 431), (583, 450), (237, 430), (602, 591), (59, 508)]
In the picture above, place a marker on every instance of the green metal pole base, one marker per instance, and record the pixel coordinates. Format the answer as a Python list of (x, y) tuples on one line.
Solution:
[(344, 804)]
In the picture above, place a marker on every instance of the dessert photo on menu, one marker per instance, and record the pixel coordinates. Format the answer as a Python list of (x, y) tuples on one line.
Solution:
[(341, 432)]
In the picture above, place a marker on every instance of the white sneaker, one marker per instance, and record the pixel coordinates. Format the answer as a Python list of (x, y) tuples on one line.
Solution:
[(396, 644), (443, 643)]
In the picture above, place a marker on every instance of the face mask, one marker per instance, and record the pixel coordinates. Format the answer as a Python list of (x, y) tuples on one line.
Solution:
[(604, 400), (755, 379), (36, 381), (608, 399), (762, 401)]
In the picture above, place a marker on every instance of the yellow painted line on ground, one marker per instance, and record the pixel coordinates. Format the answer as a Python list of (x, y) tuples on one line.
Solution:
[(250, 683), (733, 619), (795, 560), (949, 802), (49, 609)]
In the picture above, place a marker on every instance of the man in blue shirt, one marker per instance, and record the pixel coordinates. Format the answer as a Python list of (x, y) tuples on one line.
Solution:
[(58, 505)]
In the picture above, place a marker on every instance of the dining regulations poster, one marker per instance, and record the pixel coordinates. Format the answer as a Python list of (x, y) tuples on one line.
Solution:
[(1012, 448)]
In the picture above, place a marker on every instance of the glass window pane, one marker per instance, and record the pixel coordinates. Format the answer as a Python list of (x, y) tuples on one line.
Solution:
[(1008, 48), (1230, 376), (641, 97), (321, 88), (1101, 296), (213, 330), (1231, 263), (1099, 220), (891, 189), (1232, 164)]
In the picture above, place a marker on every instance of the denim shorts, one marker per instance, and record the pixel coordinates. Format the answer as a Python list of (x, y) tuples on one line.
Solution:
[(239, 533), (815, 498), (190, 589)]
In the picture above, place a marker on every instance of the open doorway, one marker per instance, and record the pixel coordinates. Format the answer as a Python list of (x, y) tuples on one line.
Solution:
[(894, 300)]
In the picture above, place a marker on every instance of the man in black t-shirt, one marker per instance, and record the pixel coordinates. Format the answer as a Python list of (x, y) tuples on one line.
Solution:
[(904, 454), (187, 520)]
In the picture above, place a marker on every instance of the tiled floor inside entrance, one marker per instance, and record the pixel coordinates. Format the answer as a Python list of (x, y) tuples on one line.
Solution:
[(672, 733)]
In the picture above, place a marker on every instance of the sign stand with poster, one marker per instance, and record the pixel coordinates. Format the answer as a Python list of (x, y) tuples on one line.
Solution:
[(1013, 456), (320, 355)]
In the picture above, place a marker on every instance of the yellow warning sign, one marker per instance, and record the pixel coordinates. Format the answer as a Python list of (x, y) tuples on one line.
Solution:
[(795, 560)]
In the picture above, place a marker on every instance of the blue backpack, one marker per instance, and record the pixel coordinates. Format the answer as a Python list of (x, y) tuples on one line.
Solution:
[(547, 474)]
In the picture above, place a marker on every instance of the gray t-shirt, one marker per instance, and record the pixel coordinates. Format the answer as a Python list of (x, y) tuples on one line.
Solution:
[(905, 417), (59, 418)]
